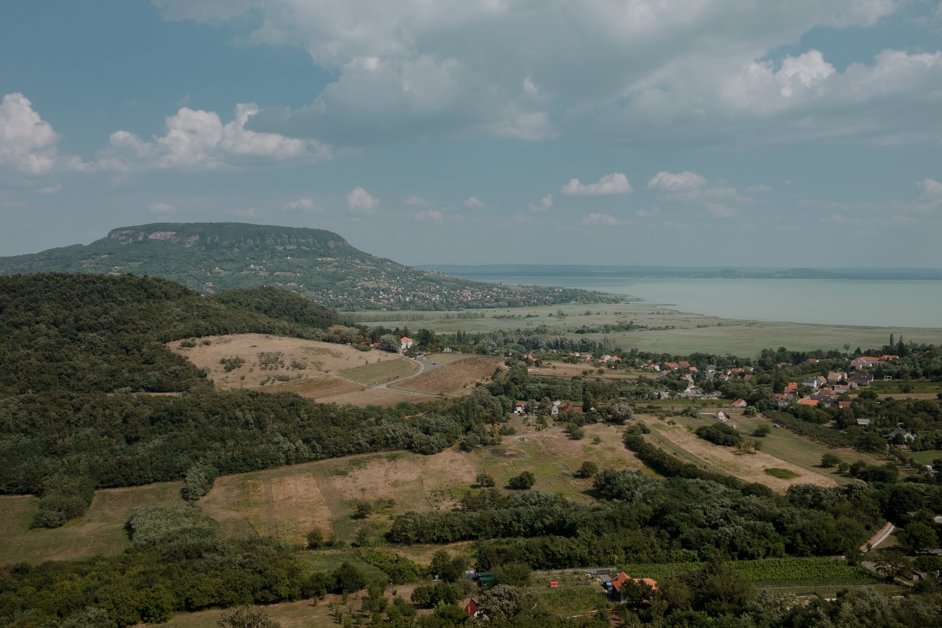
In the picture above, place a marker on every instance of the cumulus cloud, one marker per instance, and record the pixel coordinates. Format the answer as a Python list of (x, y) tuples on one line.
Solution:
[(160, 207), (431, 215), (615, 183), (545, 204), (676, 182), (417, 69), (27, 142), (474, 202), (601, 219), (198, 139), (303, 204), (359, 201)]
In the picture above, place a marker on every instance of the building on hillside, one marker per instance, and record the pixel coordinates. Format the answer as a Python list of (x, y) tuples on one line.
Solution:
[(406, 343), (740, 403)]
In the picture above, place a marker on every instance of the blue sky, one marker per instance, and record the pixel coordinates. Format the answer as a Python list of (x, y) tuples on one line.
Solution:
[(684, 132)]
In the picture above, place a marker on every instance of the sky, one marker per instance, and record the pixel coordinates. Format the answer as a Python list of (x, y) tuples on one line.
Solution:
[(653, 132)]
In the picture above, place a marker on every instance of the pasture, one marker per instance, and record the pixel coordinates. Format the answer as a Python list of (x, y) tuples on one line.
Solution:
[(662, 330)]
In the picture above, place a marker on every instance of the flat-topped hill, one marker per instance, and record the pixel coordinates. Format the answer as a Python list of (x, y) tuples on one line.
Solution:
[(317, 264)]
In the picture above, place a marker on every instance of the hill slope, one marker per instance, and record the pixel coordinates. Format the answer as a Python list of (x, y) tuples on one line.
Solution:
[(317, 264), (61, 332)]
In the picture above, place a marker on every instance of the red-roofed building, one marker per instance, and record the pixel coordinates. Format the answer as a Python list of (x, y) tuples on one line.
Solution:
[(740, 403), (808, 402)]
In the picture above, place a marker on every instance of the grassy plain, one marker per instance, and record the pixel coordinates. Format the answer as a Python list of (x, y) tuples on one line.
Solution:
[(99, 531), (666, 330)]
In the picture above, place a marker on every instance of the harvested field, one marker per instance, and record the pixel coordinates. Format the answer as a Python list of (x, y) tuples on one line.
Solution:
[(455, 379), (99, 531), (678, 440)]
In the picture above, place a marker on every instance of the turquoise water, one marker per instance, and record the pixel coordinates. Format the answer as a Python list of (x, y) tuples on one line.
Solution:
[(879, 303)]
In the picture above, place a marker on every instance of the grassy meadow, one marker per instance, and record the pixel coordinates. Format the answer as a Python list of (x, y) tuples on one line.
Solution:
[(665, 330)]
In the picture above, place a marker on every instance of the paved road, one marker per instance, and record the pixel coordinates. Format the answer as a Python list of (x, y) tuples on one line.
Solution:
[(424, 365)]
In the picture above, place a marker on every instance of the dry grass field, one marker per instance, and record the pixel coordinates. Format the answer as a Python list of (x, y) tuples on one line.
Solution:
[(99, 531), (454, 379), (268, 360), (332, 373)]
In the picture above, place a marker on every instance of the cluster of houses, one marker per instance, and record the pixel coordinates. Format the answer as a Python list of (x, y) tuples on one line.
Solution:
[(825, 390)]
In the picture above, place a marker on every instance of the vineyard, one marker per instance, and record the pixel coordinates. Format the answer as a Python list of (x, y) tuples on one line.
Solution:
[(817, 570)]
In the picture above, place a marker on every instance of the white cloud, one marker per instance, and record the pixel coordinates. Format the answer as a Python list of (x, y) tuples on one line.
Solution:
[(648, 213), (474, 202), (415, 201), (359, 201), (615, 183), (304, 204), (676, 182), (198, 139), (601, 219), (27, 142), (417, 69), (546, 203), (161, 207), (50, 189), (432, 215), (931, 192)]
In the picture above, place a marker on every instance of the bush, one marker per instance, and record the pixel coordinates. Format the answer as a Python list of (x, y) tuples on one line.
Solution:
[(513, 574), (762, 431), (587, 470), (521, 482), (198, 481), (64, 497), (720, 434), (829, 460), (483, 480)]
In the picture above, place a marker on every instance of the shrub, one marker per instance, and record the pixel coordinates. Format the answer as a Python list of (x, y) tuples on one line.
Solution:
[(720, 434), (829, 460), (521, 482), (483, 480), (587, 470)]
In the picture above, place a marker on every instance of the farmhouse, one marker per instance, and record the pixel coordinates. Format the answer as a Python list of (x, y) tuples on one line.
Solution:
[(616, 585), (865, 362), (406, 343), (740, 403)]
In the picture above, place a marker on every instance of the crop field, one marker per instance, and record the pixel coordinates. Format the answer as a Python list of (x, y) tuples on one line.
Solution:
[(666, 330), (454, 379), (99, 531), (927, 456)]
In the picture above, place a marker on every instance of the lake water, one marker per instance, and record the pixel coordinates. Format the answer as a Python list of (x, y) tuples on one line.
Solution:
[(879, 303)]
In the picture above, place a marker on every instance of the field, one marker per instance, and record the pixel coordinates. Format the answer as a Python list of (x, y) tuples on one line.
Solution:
[(333, 373), (99, 531), (675, 435), (454, 379), (927, 456), (666, 330), (288, 502)]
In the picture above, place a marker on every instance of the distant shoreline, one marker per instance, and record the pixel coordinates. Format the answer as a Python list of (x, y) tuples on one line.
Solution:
[(682, 272)]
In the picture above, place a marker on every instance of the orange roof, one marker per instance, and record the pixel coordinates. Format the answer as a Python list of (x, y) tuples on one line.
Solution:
[(807, 402), (622, 578)]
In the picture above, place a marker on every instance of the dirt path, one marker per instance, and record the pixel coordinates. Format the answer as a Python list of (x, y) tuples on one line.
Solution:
[(270, 508), (881, 535)]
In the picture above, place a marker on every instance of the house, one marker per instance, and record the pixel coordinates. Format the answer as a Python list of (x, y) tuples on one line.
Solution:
[(836, 376), (791, 388), (808, 402), (864, 362), (555, 410), (471, 608), (618, 583), (520, 407), (900, 434), (811, 382), (861, 379), (845, 405), (406, 343), (447, 350), (863, 422), (740, 403)]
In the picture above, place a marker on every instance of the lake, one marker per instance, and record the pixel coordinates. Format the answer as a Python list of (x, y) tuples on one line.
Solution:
[(877, 303)]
